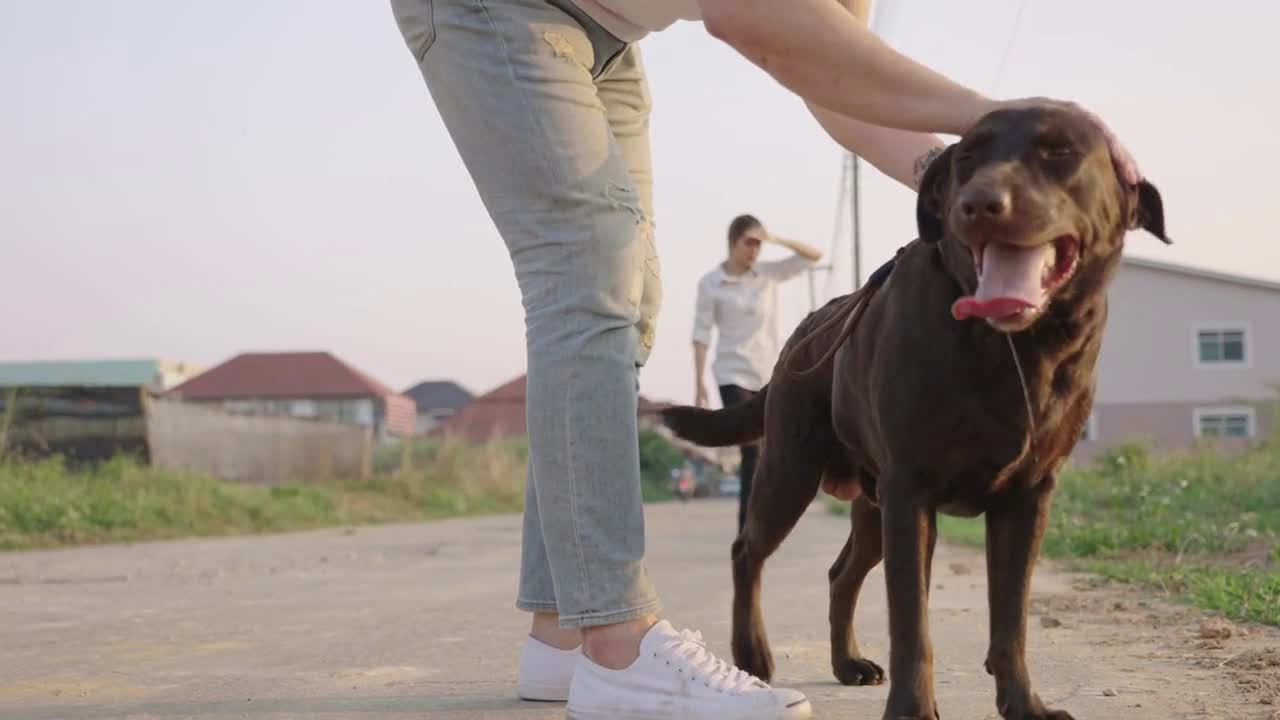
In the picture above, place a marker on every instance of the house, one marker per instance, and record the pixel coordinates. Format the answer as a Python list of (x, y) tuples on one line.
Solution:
[(497, 413), (84, 410), (437, 401), (312, 385), (501, 413), (152, 374), (1188, 355)]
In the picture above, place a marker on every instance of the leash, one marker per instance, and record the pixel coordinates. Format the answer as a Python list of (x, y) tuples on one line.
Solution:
[(855, 306), (1026, 392), (1022, 378)]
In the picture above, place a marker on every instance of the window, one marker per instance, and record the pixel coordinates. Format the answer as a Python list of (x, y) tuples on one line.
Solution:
[(305, 409), (1220, 346), (1224, 422)]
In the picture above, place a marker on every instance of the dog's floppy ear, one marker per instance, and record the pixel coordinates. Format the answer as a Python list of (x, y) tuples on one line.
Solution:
[(1147, 211), (930, 203)]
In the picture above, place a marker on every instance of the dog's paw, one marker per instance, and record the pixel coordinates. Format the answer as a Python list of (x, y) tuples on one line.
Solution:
[(1034, 710), (858, 671)]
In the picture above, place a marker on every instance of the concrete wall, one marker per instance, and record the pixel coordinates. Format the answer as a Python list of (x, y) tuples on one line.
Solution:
[(1167, 426), (254, 448)]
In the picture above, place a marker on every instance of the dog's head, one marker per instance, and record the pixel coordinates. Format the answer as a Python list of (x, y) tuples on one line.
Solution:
[(1028, 206)]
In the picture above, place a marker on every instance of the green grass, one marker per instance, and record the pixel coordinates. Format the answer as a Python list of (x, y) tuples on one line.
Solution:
[(47, 504), (1201, 526)]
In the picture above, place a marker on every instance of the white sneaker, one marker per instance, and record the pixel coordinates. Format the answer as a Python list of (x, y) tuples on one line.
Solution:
[(677, 678), (545, 672)]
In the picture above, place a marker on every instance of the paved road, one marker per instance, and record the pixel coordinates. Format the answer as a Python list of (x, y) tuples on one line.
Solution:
[(415, 621)]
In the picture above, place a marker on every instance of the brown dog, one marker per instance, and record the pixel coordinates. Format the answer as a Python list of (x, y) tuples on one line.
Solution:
[(961, 389)]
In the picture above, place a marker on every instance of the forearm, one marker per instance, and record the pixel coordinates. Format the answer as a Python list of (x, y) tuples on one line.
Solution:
[(825, 54), (804, 250), (699, 363), (900, 154)]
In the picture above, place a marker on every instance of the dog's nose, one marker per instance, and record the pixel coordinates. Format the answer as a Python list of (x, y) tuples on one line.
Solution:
[(986, 203)]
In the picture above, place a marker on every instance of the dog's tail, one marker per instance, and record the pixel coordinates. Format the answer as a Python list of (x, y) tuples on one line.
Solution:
[(736, 425)]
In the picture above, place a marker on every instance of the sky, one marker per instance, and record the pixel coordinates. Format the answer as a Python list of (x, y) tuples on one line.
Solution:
[(195, 180)]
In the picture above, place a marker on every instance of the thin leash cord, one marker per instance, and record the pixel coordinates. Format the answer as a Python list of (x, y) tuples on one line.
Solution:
[(850, 314), (1022, 381), (1022, 378)]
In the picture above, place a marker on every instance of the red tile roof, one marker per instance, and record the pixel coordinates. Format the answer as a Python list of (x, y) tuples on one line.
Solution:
[(282, 375)]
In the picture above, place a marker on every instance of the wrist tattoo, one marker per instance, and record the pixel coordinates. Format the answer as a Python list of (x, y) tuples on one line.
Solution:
[(922, 164)]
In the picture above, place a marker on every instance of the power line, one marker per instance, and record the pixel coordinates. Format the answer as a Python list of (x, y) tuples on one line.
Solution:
[(1008, 47), (849, 195)]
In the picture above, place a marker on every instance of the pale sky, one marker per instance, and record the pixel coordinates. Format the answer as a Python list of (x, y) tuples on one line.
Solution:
[(193, 180)]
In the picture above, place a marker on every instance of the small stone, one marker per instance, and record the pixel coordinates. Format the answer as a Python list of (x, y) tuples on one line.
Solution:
[(1048, 621), (960, 568), (1109, 693), (1216, 628)]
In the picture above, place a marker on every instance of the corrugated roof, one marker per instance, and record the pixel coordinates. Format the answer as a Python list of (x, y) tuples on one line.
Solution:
[(82, 373), (439, 395), (281, 375), (1190, 271)]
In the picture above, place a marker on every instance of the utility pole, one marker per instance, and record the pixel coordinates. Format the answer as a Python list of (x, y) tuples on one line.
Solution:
[(856, 220), (813, 288)]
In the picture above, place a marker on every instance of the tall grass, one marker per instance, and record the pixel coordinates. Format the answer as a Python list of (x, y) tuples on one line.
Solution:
[(1201, 525), (46, 503)]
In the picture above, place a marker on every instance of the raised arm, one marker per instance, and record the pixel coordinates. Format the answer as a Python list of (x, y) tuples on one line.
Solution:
[(824, 53), (869, 97)]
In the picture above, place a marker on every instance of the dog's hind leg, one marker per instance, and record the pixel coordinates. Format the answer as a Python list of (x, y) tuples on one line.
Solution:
[(786, 483), (1015, 527), (862, 552)]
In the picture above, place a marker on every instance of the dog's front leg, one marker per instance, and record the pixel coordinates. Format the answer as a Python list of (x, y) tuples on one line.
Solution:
[(1015, 526), (908, 527)]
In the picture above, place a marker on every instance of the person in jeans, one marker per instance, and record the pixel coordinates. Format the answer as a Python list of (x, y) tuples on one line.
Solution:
[(547, 104), (739, 299)]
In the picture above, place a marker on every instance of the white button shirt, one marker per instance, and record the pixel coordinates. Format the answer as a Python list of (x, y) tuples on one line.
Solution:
[(743, 309)]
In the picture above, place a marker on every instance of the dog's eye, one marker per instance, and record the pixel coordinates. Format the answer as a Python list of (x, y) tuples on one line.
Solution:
[(1057, 151)]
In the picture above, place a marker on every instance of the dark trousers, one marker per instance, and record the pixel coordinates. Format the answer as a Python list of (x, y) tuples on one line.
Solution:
[(731, 395)]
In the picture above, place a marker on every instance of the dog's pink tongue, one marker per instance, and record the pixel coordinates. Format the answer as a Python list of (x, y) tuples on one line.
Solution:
[(1012, 280)]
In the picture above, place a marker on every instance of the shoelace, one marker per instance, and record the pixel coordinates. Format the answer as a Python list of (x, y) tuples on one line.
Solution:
[(708, 669)]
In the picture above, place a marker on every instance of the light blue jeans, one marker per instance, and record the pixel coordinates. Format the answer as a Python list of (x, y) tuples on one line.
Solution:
[(550, 114)]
